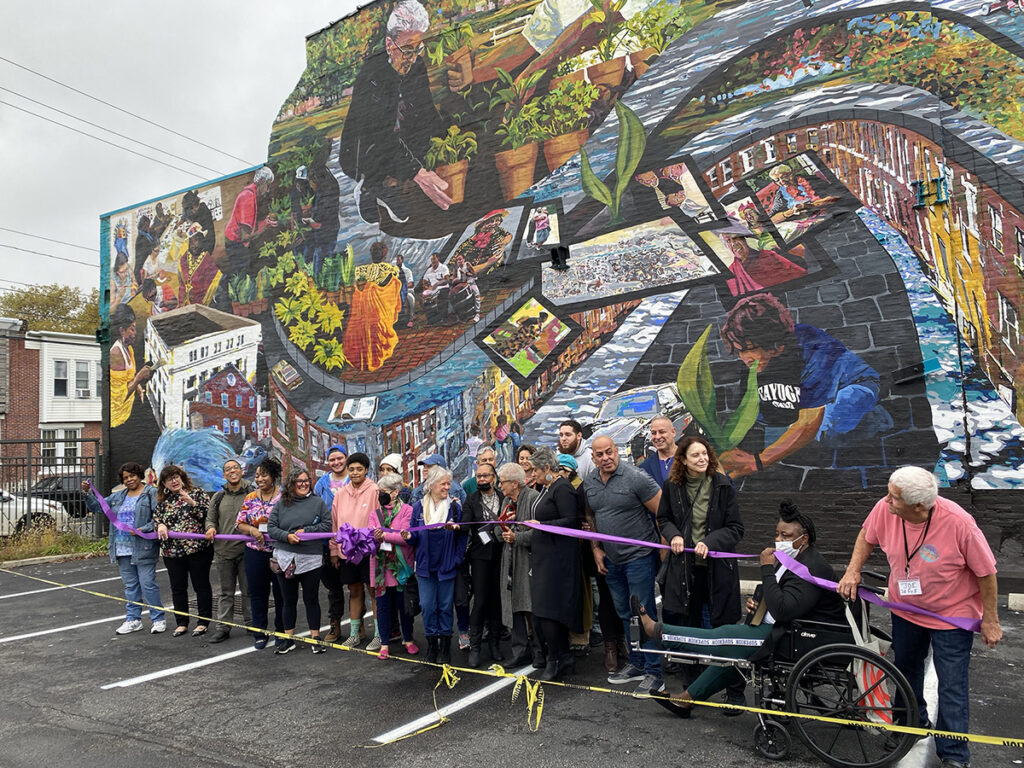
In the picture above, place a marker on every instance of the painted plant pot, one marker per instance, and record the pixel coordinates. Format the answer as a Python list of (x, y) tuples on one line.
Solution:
[(607, 73), (639, 60), (559, 149), (455, 175), (516, 169)]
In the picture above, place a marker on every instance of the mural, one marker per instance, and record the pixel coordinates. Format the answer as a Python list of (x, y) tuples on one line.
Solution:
[(795, 227)]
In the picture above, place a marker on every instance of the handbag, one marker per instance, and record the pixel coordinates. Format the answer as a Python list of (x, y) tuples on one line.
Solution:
[(411, 596), (288, 572), (876, 699)]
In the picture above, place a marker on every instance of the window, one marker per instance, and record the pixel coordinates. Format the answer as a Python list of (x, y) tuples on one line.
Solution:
[(193, 355), (82, 383), (300, 435), (1018, 257), (48, 448), (234, 426), (281, 414), (812, 139), (997, 227), (747, 158), (1009, 322), (227, 426), (99, 378), (726, 166), (217, 347), (252, 402), (59, 446), (971, 204), (769, 150), (791, 145), (238, 401), (224, 399), (208, 397), (712, 177), (60, 378), (191, 383)]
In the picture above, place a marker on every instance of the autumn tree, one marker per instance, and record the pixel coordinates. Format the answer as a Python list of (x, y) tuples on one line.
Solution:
[(54, 307)]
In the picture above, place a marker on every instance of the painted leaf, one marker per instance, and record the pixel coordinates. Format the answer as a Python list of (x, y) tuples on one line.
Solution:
[(592, 185), (743, 418), (632, 142), (697, 388)]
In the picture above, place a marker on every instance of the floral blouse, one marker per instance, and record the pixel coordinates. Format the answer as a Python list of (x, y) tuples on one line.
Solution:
[(179, 516), (256, 512)]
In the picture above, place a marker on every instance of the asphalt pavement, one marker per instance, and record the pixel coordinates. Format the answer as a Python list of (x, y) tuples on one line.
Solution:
[(79, 695)]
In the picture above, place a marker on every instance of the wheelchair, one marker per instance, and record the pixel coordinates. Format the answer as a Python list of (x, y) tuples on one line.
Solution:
[(818, 669)]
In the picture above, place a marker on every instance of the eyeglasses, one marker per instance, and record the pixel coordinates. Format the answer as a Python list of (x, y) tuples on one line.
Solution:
[(409, 53), (302, 482)]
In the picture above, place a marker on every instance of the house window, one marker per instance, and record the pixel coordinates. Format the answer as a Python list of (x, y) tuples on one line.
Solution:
[(997, 227), (54, 451), (812, 139), (282, 419), (252, 402), (234, 426), (193, 355), (82, 388), (224, 399), (712, 177), (726, 166), (99, 378), (1018, 257), (217, 347), (300, 435), (791, 145), (769, 150), (191, 383), (238, 401), (971, 204), (208, 397), (747, 158), (1009, 322), (227, 426), (60, 378)]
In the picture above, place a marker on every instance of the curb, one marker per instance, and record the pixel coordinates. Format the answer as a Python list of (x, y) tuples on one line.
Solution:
[(1015, 601), (51, 559)]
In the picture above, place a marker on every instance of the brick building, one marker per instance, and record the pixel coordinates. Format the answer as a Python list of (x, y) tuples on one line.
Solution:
[(228, 403)]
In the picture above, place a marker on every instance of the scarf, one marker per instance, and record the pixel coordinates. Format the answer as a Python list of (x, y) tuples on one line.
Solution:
[(393, 561), (434, 513)]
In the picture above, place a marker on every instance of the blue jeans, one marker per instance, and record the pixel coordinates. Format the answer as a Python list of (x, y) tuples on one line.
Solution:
[(140, 585), (951, 655), (384, 615), (636, 578), (261, 581), (436, 598)]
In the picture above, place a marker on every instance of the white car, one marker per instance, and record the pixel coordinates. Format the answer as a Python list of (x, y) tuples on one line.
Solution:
[(17, 513)]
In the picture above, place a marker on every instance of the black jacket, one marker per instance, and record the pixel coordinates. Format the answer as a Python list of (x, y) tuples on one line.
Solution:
[(473, 512), (724, 530)]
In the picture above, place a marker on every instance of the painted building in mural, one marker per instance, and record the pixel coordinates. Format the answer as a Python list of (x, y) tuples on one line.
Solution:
[(816, 203)]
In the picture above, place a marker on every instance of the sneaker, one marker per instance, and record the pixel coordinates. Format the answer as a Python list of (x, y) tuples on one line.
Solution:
[(737, 699), (158, 627), (129, 626), (286, 646), (352, 641), (628, 674), (463, 641), (260, 644), (374, 645), (318, 647), (649, 686)]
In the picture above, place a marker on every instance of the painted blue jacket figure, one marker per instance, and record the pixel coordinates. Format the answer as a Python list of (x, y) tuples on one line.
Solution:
[(810, 386)]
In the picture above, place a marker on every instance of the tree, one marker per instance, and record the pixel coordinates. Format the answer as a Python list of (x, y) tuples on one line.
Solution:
[(54, 307)]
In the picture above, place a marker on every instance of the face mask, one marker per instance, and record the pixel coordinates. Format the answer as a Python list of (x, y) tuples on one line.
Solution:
[(383, 498), (788, 547), (485, 487)]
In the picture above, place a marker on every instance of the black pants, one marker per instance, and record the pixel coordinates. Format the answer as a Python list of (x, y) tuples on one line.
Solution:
[(485, 575), (261, 581), (336, 610), (310, 582), (554, 636), (194, 567), (607, 618)]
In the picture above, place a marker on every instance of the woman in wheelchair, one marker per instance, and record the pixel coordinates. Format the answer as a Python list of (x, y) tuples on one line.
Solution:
[(781, 598)]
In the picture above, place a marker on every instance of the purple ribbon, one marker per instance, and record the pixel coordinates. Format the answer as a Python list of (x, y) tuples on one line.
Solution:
[(355, 543), (971, 625)]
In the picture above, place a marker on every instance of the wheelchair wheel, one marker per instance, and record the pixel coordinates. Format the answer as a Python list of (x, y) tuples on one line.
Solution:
[(824, 683), (771, 740)]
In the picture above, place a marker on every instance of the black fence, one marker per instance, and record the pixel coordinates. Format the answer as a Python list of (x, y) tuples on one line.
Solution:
[(41, 485)]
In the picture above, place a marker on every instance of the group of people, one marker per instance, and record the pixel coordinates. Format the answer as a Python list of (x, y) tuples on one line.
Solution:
[(450, 551)]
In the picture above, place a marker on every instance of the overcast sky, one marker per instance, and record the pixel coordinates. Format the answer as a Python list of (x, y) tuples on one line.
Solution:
[(213, 70)]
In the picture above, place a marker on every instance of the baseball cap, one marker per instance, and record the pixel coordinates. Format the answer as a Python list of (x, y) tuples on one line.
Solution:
[(568, 461), (434, 458), (337, 447)]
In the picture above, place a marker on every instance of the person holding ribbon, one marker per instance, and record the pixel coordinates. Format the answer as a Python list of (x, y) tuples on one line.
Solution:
[(393, 564), (296, 562), (253, 519), (181, 507), (939, 561), (132, 508), (785, 597), (518, 505), (326, 487), (484, 555)]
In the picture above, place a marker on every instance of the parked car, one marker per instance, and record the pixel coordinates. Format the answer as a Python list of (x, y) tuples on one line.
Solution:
[(66, 490), (626, 418), (250, 458), (20, 513)]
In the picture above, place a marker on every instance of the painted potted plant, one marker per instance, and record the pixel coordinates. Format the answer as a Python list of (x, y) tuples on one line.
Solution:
[(607, 14), (519, 130), (329, 279), (449, 155), (569, 70), (240, 292), (565, 116), (653, 29)]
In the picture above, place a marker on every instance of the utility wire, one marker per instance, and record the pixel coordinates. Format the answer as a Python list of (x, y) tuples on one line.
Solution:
[(48, 255), (122, 110), (70, 128), (108, 130), (50, 239)]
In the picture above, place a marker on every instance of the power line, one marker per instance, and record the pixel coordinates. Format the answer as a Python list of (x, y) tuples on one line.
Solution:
[(97, 138), (50, 239), (108, 130), (48, 255), (122, 110)]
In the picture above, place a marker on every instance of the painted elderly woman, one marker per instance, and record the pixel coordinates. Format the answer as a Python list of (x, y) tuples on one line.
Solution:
[(518, 505)]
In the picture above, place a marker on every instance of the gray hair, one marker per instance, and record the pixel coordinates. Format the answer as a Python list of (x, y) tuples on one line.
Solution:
[(264, 174), (917, 486), (544, 458), (390, 482), (408, 16), (485, 448), (512, 471), (437, 474)]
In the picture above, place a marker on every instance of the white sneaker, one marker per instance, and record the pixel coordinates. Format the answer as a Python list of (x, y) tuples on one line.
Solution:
[(129, 626), (158, 627)]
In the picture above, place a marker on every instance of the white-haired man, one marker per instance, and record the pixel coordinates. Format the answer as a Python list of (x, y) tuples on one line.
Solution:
[(938, 560), (391, 120)]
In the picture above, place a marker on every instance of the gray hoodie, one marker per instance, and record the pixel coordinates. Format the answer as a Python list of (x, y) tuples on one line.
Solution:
[(310, 514)]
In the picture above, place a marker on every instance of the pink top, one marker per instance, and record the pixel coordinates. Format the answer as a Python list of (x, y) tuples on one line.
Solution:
[(243, 212), (353, 506), (401, 521), (950, 560)]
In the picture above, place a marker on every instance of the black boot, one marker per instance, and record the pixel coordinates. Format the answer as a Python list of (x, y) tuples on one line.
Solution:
[(444, 643), (494, 644), (475, 642), (550, 671), (432, 649)]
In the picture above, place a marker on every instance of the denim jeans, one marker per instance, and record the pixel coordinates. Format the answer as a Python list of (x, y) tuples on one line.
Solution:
[(636, 578), (436, 598), (392, 595), (261, 582), (951, 655), (140, 585)]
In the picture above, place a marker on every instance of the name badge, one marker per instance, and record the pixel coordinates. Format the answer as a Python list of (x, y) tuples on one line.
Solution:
[(262, 527), (386, 546), (485, 537), (909, 586)]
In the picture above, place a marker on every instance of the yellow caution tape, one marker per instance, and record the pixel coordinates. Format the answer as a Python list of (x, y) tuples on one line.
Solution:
[(533, 688)]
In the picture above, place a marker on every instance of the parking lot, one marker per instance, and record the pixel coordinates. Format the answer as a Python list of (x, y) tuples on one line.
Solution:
[(77, 694)]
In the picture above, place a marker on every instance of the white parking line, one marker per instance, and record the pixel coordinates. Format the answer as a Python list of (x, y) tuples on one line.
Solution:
[(66, 586), (12, 638), (455, 706)]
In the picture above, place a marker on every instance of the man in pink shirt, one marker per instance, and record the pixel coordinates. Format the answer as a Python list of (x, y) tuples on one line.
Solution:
[(938, 560), (353, 504)]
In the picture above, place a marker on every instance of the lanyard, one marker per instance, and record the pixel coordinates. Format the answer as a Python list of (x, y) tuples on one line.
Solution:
[(906, 549)]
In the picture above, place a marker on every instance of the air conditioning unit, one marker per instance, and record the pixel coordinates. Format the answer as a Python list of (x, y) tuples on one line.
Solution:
[(83, 394)]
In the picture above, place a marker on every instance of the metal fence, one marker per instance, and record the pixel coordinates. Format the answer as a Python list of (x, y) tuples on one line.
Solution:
[(41, 485)]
